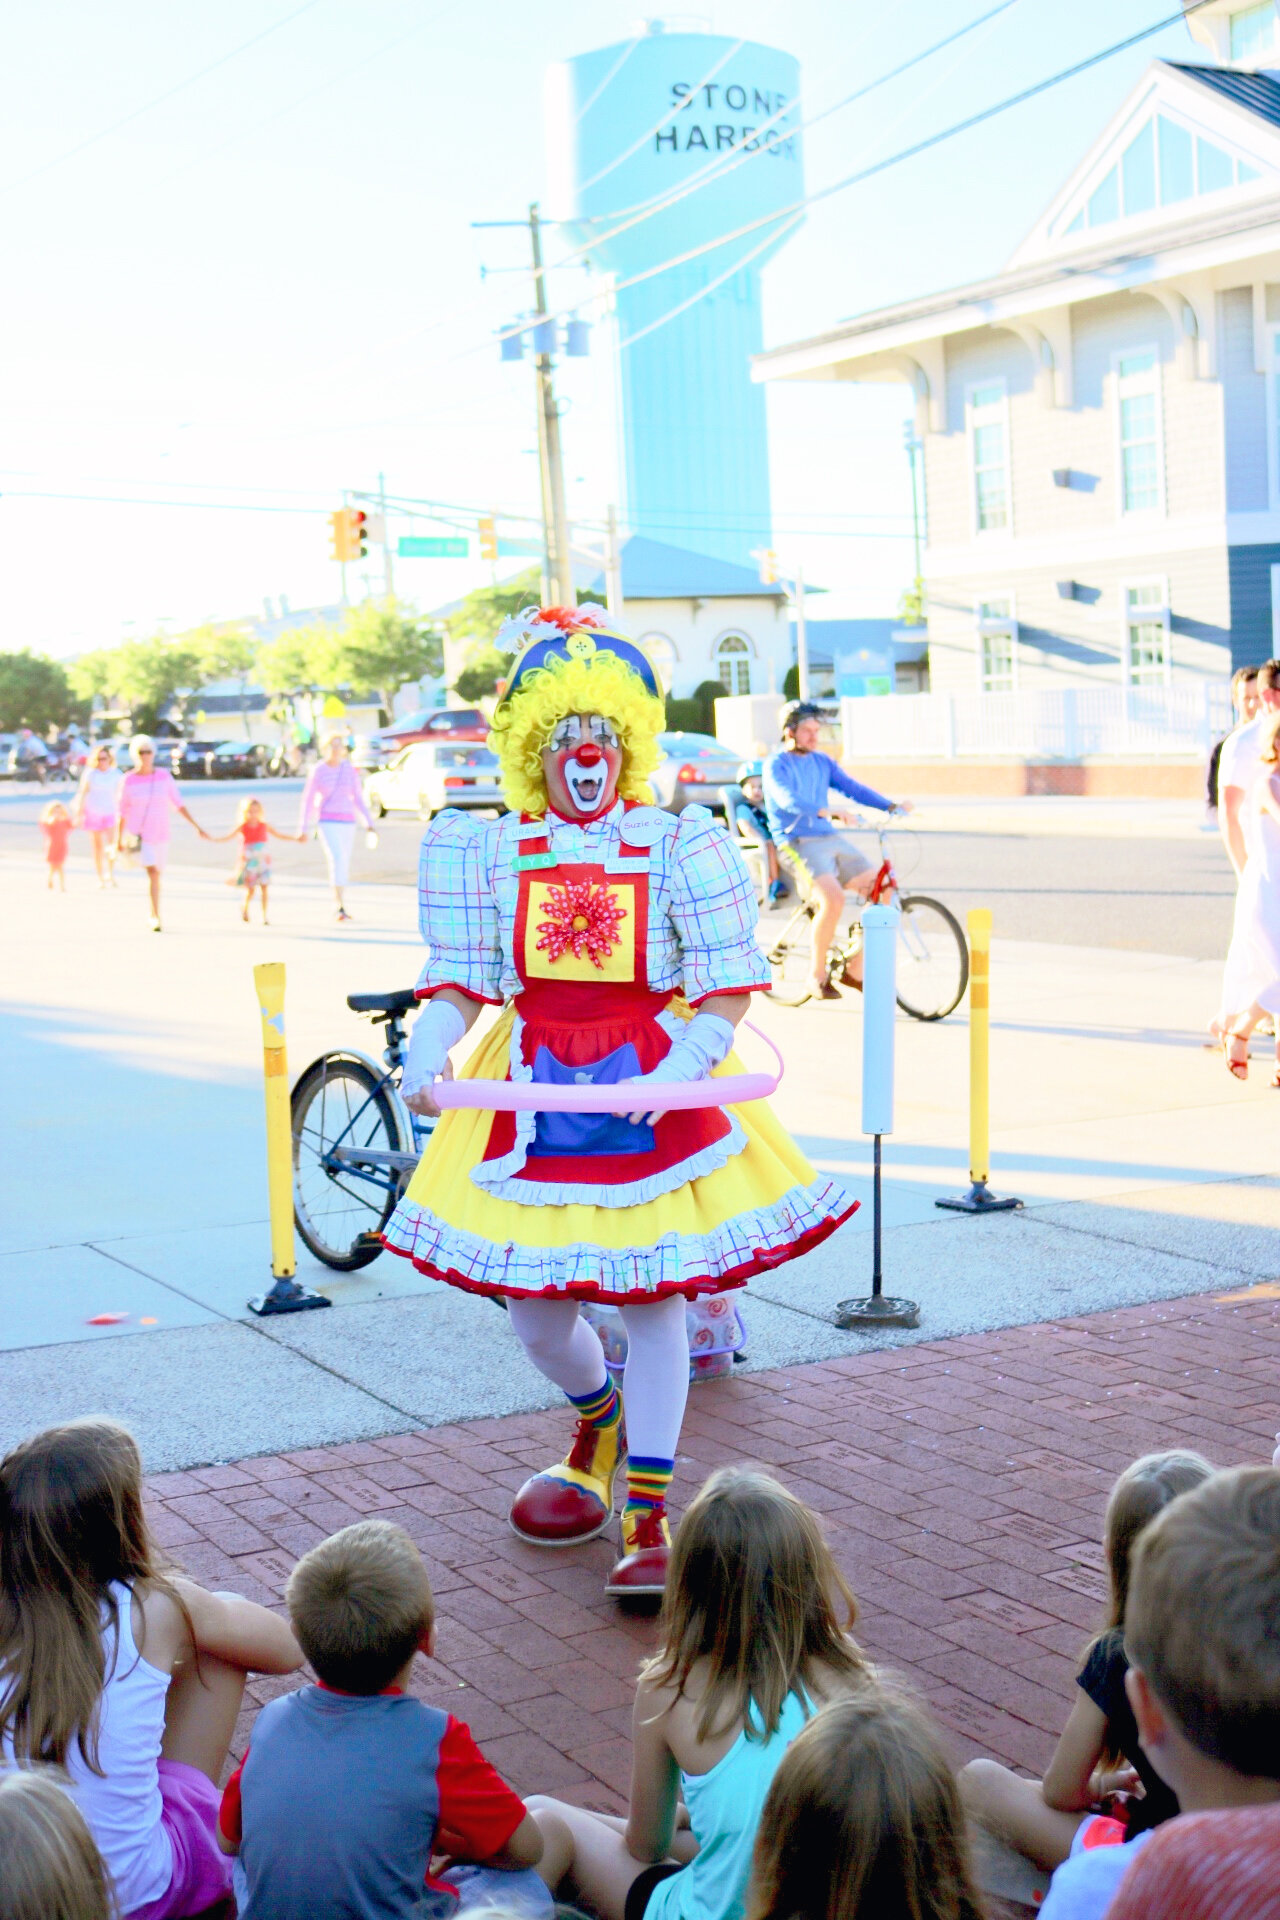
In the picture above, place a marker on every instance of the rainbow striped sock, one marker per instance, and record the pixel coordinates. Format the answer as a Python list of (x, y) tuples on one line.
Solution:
[(647, 1481), (602, 1409)]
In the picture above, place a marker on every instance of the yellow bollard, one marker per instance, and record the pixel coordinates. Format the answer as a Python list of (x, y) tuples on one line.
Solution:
[(979, 1198), (285, 1295)]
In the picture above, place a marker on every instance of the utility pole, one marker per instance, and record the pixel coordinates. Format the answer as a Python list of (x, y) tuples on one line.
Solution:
[(387, 581), (802, 635), (558, 563), (612, 565)]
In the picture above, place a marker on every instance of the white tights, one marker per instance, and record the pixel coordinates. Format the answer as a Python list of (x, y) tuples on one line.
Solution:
[(655, 1383)]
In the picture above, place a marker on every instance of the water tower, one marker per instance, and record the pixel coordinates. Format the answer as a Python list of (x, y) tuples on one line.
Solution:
[(628, 125)]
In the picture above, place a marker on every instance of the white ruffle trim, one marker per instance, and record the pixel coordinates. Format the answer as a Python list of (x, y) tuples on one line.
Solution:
[(704, 1261), (630, 1193), (494, 1176)]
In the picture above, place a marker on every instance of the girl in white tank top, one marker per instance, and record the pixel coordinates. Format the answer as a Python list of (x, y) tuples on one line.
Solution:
[(101, 1667)]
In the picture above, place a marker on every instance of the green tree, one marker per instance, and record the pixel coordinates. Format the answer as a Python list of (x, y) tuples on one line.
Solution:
[(225, 653), (379, 646), (486, 668), (34, 692), (143, 675), (483, 612), (911, 608), (295, 661)]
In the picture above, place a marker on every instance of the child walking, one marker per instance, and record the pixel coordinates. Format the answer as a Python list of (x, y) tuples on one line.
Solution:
[(127, 1678), (751, 1647), (253, 869), (55, 825), (864, 1820), (1098, 1752)]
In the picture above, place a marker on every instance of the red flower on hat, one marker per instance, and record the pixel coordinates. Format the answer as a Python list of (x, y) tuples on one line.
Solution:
[(582, 918)]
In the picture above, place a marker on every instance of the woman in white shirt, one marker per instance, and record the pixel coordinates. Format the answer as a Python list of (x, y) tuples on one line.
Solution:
[(95, 810)]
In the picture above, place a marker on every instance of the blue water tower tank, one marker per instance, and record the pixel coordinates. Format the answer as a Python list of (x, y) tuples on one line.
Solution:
[(628, 126)]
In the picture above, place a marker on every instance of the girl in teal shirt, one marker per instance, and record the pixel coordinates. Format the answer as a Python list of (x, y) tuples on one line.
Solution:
[(751, 1646)]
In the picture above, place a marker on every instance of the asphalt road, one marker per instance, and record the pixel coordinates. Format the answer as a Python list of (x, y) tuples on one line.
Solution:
[(1157, 895)]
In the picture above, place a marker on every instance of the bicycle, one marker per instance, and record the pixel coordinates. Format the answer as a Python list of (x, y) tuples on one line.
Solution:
[(933, 956), (355, 1143)]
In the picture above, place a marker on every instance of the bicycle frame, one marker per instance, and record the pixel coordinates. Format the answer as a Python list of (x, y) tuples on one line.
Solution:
[(380, 1167)]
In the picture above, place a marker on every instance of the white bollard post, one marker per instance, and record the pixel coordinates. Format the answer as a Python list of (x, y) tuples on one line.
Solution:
[(879, 1007)]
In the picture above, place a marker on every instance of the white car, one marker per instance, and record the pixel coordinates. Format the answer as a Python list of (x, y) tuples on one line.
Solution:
[(423, 778)]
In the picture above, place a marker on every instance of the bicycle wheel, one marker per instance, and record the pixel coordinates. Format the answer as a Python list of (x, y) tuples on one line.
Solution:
[(339, 1105), (933, 959), (789, 961)]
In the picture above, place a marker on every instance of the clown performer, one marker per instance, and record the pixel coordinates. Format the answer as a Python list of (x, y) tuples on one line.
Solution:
[(619, 941)]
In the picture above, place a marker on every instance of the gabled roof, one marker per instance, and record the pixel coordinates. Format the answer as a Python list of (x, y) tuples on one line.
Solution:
[(1258, 92), (652, 570)]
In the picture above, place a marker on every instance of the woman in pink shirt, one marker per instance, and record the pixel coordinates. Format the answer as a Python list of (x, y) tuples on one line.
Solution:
[(143, 805), (333, 801)]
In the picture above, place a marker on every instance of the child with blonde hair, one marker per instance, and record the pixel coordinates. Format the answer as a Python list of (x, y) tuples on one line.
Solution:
[(49, 1866), (754, 1638), (1098, 1752), (864, 1820), (253, 868), (55, 825), (127, 1677)]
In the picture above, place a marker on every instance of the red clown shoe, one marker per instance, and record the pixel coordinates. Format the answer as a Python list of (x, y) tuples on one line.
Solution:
[(646, 1549), (574, 1501)]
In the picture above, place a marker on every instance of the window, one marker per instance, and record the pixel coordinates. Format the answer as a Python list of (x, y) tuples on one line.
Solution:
[(661, 650), (1146, 608), (733, 661), (1141, 453), (997, 646), (988, 411), (1163, 164), (1253, 31)]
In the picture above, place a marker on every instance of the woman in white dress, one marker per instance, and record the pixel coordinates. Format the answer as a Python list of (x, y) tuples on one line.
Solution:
[(1258, 912)]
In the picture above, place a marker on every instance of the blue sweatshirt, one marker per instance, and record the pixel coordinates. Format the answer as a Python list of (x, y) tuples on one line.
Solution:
[(797, 784)]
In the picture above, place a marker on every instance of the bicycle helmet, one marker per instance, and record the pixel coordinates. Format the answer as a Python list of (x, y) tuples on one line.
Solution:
[(797, 711), (750, 770)]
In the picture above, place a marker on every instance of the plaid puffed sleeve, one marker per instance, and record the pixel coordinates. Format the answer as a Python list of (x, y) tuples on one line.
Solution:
[(457, 911), (713, 910)]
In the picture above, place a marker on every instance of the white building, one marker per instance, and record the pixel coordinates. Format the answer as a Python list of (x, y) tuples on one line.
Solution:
[(1101, 420)]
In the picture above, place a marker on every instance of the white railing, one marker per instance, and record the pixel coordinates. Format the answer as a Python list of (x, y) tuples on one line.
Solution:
[(1074, 723)]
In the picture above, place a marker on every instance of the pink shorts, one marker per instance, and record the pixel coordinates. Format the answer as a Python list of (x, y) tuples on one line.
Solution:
[(189, 1815), (100, 822), (153, 853)]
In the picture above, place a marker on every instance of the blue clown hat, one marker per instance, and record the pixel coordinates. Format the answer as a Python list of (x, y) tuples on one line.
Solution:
[(541, 634)]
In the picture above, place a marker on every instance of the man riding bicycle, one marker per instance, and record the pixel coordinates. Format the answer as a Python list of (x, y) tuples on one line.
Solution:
[(797, 784)]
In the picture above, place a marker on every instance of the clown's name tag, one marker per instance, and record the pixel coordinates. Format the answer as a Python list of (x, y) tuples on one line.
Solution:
[(644, 826), (594, 938), (524, 861)]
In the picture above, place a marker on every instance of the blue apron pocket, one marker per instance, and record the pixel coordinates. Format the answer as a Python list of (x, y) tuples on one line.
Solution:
[(598, 1133)]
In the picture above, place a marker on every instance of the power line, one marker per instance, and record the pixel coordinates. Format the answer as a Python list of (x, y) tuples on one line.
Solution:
[(612, 74), (879, 166), (673, 313), (666, 119), (159, 100)]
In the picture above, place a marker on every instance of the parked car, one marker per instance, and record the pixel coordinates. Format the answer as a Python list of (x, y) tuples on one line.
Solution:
[(237, 760), (423, 778), (8, 741), (695, 768), (368, 752), (189, 759), (436, 723)]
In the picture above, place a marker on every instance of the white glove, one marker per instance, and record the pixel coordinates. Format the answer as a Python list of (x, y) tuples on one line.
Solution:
[(438, 1027), (702, 1045)]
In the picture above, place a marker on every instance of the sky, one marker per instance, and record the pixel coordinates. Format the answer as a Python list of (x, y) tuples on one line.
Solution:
[(242, 276)]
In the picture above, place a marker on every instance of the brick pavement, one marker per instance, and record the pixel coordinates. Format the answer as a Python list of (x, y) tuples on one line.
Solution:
[(962, 1485)]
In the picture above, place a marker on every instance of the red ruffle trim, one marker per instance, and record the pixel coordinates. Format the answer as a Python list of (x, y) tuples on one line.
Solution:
[(451, 986), (762, 1261), (719, 993)]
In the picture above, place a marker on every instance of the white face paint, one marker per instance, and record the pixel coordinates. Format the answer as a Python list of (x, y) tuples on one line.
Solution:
[(582, 761)]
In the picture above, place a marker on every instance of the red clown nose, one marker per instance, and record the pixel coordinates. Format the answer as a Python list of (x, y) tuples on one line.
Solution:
[(588, 753)]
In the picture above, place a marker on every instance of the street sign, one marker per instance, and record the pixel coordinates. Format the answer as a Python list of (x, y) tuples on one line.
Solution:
[(413, 546)]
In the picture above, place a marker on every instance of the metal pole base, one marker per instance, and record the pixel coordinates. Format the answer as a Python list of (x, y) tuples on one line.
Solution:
[(286, 1296), (863, 1316), (979, 1199)]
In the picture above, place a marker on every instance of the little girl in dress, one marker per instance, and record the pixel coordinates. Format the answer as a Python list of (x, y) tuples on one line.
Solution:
[(253, 869)]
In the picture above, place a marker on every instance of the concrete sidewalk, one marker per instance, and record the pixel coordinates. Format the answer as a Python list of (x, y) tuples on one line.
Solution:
[(135, 1184)]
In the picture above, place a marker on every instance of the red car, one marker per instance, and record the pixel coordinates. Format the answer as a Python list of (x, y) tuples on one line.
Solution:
[(435, 723)]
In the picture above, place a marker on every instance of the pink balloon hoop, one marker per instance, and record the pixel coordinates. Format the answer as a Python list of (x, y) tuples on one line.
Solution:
[(526, 1096)]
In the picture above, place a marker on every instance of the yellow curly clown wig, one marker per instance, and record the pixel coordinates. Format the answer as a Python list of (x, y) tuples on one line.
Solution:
[(577, 673)]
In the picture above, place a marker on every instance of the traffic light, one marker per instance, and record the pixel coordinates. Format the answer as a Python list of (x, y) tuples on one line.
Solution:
[(768, 563), (348, 536), (488, 531)]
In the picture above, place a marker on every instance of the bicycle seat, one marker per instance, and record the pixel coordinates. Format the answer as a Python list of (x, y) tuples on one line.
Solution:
[(403, 1000)]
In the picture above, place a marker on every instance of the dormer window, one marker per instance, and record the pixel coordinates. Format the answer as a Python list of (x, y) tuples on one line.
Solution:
[(1164, 164), (1255, 31)]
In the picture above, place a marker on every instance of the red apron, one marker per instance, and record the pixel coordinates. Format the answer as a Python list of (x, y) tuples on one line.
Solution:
[(589, 1016)]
